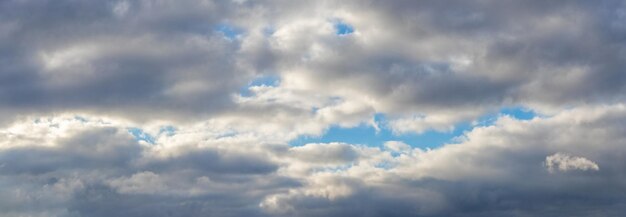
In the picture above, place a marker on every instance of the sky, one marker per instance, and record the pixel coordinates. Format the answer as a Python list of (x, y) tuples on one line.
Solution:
[(276, 108)]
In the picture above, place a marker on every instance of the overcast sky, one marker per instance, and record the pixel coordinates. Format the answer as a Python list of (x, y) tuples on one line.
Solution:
[(272, 108)]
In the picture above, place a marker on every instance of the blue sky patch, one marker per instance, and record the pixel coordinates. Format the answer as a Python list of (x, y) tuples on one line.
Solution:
[(263, 80), (229, 31), (342, 28), (366, 135), (519, 113), (140, 135)]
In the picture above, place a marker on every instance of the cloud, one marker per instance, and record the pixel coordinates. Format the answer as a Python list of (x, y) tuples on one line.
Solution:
[(397, 146), (405, 59), (117, 58), (90, 164), (155, 108), (491, 172), (565, 162), (325, 153), (430, 60)]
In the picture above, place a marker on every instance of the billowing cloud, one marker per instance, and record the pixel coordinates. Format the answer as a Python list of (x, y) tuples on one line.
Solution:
[(192, 107), (420, 62), (117, 57), (564, 162), (494, 170)]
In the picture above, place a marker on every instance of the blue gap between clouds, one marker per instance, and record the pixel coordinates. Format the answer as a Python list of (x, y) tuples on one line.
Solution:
[(516, 112), (140, 135), (262, 80), (342, 28), (229, 31), (367, 135), (520, 113)]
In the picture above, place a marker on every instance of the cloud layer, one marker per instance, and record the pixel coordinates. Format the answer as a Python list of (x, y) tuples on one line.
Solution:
[(93, 167), (188, 108)]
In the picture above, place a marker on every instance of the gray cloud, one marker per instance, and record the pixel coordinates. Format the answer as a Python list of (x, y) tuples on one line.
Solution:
[(68, 55), (79, 80), (83, 167), (496, 171), (434, 58), (94, 168), (405, 57)]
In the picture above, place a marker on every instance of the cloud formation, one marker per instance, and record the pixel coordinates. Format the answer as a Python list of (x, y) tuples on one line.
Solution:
[(91, 167), (564, 162), (189, 108)]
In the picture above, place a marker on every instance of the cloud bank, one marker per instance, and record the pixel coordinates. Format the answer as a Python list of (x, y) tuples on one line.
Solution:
[(190, 108)]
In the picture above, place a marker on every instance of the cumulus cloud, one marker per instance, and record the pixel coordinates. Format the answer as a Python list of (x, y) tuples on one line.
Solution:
[(494, 170), (564, 162), (164, 108), (406, 59), (117, 58)]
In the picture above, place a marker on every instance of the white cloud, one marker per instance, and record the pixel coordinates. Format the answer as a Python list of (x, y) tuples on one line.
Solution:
[(397, 146), (564, 162)]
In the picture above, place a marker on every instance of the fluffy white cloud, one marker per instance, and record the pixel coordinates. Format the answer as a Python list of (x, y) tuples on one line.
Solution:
[(565, 162)]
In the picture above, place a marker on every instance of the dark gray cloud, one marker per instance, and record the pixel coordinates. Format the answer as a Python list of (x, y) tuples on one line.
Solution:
[(212, 161), (91, 149), (103, 201), (117, 57)]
